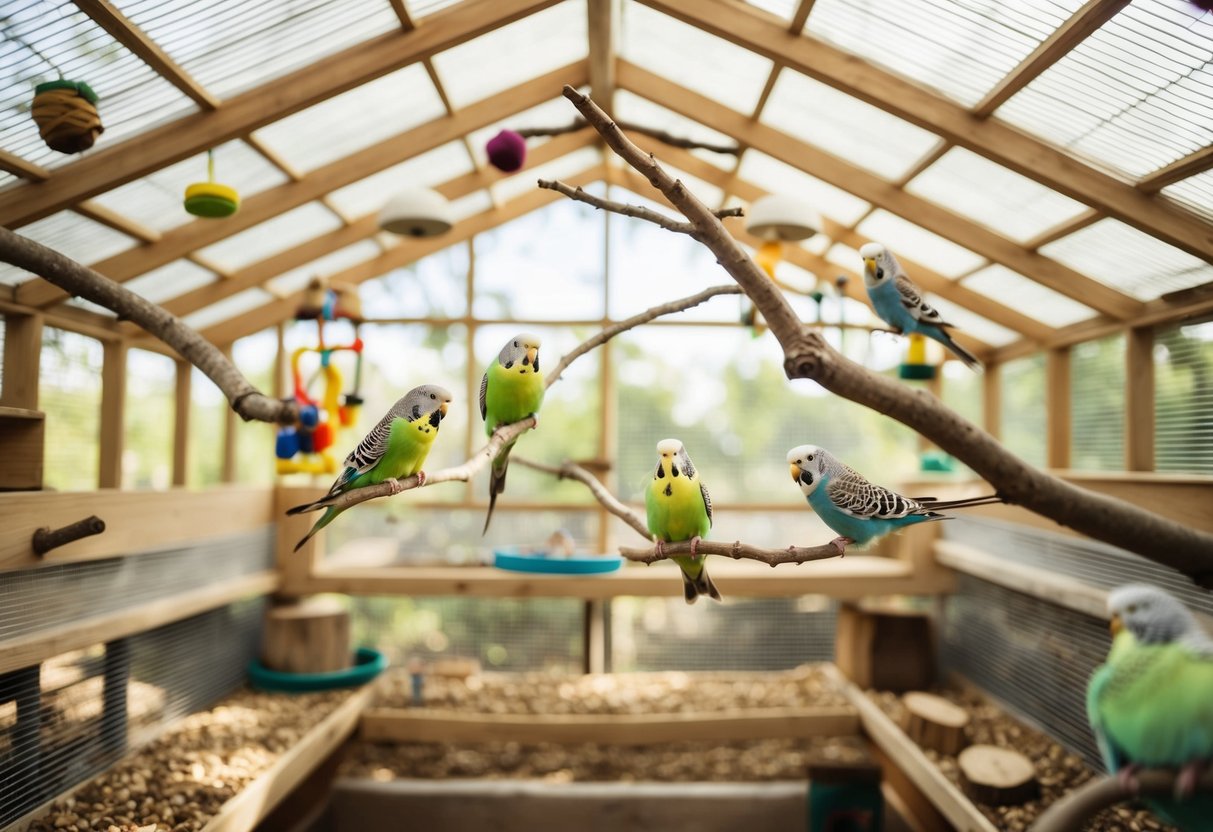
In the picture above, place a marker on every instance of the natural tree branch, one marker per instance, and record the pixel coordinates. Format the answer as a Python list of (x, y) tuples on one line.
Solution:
[(82, 281), (660, 135), (807, 355), (572, 471), (636, 211), (1080, 805)]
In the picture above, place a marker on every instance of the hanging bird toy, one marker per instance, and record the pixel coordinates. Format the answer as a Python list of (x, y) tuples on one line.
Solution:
[(66, 114), (211, 199)]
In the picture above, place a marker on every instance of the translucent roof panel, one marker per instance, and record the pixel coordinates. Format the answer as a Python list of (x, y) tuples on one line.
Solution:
[(1134, 96), (272, 236), (711, 66), (229, 46), (171, 280), (781, 8), (354, 120), (976, 188), (1012, 289), (562, 168), (1194, 193), (775, 176), (979, 327), (47, 39), (508, 56), (325, 266), (847, 127), (633, 108), (421, 8), (554, 113), (474, 203), (916, 243), (70, 234), (228, 308), (934, 42), (155, 200), (424, 171), (1127, 259)]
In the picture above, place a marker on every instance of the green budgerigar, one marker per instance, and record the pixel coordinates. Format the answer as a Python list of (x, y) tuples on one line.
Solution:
[(679, 508), (511, 390), (394, 449), (1151, 704)]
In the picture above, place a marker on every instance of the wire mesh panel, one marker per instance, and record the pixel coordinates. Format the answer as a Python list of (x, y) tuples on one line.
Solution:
[(1097, 405), (69, 391), (1183, 380)]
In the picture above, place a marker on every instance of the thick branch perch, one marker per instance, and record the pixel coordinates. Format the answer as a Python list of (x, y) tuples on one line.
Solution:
[(46, 539), (83, 282), (635, 211), (807, 355), (660, 135), (1073, 810)]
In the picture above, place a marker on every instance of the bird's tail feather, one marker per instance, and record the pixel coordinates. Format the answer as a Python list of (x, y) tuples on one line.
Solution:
[(496, 483), (692, 588), (967, 357), (968, 502), (319, 524), (306, 507)]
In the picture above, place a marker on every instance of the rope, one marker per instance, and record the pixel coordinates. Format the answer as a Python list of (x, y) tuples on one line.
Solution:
[(66, 121)]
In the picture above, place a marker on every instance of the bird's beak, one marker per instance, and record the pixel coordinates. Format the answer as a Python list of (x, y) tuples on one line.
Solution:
[(795, 471), (1116, 625), (532, 354), (869, 263), (443, 407)]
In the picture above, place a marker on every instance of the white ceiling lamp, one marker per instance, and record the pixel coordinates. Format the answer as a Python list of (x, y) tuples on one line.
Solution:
[(417, 212), (782, 217)]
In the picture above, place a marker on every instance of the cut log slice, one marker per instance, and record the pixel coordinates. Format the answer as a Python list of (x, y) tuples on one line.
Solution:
[(311, 636), (997, 776), (935, 723)]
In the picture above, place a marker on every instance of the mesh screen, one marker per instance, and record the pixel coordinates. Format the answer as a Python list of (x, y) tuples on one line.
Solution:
[(69, 391), (1183, 380), (1097, 405)]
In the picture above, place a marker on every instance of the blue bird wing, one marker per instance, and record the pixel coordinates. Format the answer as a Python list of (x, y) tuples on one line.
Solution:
[(922, 312), (852, 494)]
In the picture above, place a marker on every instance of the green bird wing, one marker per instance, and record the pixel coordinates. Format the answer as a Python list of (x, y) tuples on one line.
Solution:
[(484, 389), (366, 455), (1113, 757), (707, 501)]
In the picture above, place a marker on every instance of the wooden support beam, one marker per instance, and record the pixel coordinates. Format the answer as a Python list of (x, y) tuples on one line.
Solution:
[(273, 157), (227, 471), (603, 27), (320, 80), (14, 164), (402, 14), (849, 177), (1058, 429), (70, 318), (991, 399), (97, 212), (113, 414), (1083, 23), (181, 422), (1063, 229), (748, 26), (22, 360), (801, 16), (1196, 162), (1139, 399), (256, 209)]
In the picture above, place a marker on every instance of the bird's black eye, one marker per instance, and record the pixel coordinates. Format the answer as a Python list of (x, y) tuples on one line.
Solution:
[(879, 273), (810, 457), (515, 344), (1132, 608)]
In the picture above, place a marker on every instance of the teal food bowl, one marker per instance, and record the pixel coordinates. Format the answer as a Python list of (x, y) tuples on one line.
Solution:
[(368, 663), (515, 560)]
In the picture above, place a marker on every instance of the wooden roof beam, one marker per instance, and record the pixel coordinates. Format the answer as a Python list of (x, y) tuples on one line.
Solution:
[(14, 164), (1196, 162), (767, 35), (185, 239), (801, 16), (868, 186), (603, 28), (122, 162)]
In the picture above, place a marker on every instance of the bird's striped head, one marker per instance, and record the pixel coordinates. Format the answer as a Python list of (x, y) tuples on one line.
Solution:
[(808, 466), (673, 460), (521, 354), (429, 401), (879, 265), (1150, 614)]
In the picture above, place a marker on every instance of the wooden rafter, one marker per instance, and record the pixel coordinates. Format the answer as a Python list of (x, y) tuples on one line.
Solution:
[(603, 27), (1063, 229), (764, 34), (402, 14), (260, 207), (1196, 162), (1083, 23), (868, 186), (14, 164), (273, 157), (801, 16), (117, 164)]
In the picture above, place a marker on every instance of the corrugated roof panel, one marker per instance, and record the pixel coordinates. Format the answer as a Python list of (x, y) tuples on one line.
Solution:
[(1194, 193), (508, 56), (229, 46), (565, 166), (1013, 290), (845, 126), (916, 243), (960, 49), (425, 171), (227, 308), (1134, 96), (354, 120), (781, 8), (70, 234), (775, 176), (994, 334), (1120, 256), (325, 266), (171, 280), (709, 65), (974, 187), (272, 236), (420, 8), (641, 111)]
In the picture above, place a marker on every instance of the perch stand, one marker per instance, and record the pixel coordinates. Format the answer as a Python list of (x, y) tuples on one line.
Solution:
[(935, 723), (310, 636), (997, 776), (885, 649)]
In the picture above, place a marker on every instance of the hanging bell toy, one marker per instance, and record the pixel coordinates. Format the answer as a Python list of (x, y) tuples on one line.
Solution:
[(66, 115), (209, 198)]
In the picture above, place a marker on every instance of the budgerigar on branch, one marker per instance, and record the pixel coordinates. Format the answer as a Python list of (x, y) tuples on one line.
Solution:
[(1151, 704), (394, 449), (856, 510), (679, 508), (511, 390), (899, 302)]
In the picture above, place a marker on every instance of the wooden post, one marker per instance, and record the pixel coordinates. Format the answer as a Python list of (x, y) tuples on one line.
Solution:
[(1057, 406), (227, 472), (22, 360), (22, 425), (991, 399), (181, 423), (884, 648), (1139, 399), (113, 408)]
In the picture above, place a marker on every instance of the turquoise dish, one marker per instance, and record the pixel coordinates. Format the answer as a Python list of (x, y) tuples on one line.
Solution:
[(540, 562), (368, 663)]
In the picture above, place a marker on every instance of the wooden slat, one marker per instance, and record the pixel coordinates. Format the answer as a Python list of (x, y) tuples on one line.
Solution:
[(1083, 23), (849, 177), (402, 14), (22, 360), (36, 647), (745, 25), (1198, 161), (603, 22), (181, 422), (273, 157), (113, 415), (122, 162), (1139, 399), (1063, 229), (991, 399), (135, 521), (14, 164), (1057, 407), (801, 16), (432, 725), (71, 318), (99, 213)]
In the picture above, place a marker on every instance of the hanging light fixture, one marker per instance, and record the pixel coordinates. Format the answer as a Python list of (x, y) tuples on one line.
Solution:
[(417, 212)]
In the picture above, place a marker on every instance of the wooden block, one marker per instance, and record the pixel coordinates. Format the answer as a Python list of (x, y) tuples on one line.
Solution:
[(22, 436), (935, 723), (310, 636), (885, 649), (997, 776)]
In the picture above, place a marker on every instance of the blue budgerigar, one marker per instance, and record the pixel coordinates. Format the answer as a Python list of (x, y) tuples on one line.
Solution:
[(857, 510), (1151, 704), (899, 302)]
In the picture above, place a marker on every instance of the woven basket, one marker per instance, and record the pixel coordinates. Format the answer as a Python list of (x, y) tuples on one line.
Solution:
[(66, 114)]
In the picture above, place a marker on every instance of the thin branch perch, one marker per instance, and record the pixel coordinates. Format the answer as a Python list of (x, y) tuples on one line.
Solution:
[(1072, 811), (82, 281), (808, 355), (660, 135), (572, 471), (47, 538), (639, 212)]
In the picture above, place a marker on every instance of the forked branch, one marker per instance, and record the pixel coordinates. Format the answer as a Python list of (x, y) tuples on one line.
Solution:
[(639, 212)]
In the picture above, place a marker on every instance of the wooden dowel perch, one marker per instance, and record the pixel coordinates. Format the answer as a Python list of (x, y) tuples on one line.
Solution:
[(46, 538), (1070, 812)]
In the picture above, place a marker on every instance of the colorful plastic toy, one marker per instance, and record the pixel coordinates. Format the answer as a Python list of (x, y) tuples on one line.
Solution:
[(66, 114), (210, 199)]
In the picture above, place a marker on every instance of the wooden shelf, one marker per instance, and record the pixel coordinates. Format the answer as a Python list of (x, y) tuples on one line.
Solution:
[(21, 413)]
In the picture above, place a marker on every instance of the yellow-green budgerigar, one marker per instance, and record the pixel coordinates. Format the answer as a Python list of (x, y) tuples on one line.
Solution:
[(1151, 704), (394, 449), (511, 390), (679, 508)]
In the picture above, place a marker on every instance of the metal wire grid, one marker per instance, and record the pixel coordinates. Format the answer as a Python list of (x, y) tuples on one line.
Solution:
[(1183, 404), (1097, 405), (37, 599), (1023, 407), (69, 391), (70, 722)]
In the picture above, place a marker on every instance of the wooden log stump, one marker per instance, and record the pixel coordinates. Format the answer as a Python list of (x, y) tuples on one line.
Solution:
[(997, 776), (935, 723), (884, 648), (311, 636)]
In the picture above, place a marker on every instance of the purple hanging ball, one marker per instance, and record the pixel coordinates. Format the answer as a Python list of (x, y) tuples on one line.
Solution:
[(507, 151), (1203, 5)]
